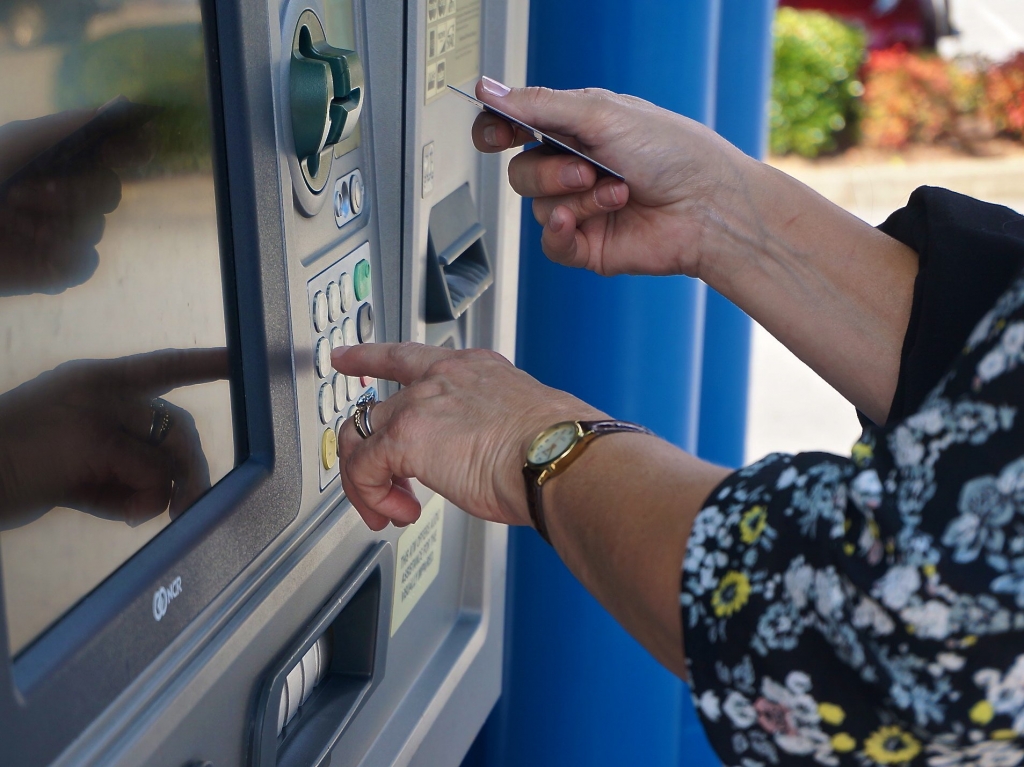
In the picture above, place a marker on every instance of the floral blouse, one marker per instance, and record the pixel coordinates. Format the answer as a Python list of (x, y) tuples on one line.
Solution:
[(870, 609)]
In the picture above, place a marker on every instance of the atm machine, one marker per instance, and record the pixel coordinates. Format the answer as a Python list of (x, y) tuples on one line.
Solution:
[(198, 200)]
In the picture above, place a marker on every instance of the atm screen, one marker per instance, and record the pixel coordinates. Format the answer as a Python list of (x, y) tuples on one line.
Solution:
[(115, 365)]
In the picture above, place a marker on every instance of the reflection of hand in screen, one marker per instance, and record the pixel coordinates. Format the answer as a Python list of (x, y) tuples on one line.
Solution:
[(51, 218), (89, 435)]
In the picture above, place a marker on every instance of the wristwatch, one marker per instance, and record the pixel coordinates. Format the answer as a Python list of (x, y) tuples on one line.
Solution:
[(553, 451)]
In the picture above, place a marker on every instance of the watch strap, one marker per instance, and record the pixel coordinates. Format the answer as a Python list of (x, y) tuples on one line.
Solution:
[(534, 476), (612, 427)]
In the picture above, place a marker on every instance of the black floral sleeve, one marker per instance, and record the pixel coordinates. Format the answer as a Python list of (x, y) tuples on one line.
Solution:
[(870, 610)]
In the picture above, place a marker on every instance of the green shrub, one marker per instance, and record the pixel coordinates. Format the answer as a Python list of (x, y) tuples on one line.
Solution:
[(815, 86)]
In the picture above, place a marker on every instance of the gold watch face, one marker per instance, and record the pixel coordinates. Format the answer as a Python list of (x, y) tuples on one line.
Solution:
[(552, 443)]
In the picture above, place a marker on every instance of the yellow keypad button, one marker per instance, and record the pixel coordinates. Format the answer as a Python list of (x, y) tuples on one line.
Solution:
[(329, 449)]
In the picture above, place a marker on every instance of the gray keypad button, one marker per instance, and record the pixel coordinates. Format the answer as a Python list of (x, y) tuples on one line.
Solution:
[(326, 403), (364, 322), (340, 392), (323, 357), (320, 314), (333, 301), (348, 330), (348, 292)]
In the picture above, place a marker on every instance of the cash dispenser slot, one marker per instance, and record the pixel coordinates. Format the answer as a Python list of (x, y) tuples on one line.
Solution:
[(458, 268), (318, 685)]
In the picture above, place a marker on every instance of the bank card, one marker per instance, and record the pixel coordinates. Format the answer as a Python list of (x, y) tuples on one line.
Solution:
[(544, 138)]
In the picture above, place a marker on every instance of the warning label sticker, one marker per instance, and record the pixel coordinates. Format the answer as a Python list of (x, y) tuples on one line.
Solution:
[(452, 44), (418, 560)]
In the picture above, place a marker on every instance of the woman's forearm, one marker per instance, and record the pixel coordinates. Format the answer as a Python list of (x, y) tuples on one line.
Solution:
[(620, 518), (836, 291)]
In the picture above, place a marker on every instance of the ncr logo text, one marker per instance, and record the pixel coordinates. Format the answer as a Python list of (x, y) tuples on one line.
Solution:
[(163, 596)]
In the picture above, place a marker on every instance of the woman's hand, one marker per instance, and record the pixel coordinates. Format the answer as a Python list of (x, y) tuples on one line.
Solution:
[(676, 170), (461, 425), (836, 291), (619, 517)]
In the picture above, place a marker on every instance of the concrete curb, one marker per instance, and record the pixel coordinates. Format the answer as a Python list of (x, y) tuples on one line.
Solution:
[(888, 185)]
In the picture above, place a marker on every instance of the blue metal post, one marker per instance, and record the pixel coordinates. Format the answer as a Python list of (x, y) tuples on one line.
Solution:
[(741, 112), (577, 689)]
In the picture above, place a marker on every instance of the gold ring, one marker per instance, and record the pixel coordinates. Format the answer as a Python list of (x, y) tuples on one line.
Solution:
[(161, 423)]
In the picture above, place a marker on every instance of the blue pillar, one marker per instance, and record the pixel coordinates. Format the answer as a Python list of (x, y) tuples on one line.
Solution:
[(578, 690), (741, 111)]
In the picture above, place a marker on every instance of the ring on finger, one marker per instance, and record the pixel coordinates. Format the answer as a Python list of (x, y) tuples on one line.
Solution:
[(161, 423), (361, 417)]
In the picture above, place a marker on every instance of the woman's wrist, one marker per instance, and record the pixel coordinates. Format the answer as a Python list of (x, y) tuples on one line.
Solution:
[(832, 288), (515, 500), (736, 231)]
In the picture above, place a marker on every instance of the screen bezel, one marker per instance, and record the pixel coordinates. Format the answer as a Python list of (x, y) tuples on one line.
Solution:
[(67, 676)]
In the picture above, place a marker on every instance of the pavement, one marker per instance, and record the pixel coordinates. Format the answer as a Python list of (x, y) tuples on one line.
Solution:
[(791, 409)]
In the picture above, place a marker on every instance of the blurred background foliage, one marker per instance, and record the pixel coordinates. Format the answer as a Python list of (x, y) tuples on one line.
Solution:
[(1004, 95), (915, 98), (829, 92), (161, 67), (920, 98), (816, 85)]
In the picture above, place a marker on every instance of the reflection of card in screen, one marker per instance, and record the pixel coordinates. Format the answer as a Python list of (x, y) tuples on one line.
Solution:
[(544, 138), (117, 116)]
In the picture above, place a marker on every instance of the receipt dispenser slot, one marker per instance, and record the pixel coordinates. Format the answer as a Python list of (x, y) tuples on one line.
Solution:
[(458, 269), (315, 689)]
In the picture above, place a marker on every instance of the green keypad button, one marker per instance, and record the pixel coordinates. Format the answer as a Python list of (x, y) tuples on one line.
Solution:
[(362, 279)]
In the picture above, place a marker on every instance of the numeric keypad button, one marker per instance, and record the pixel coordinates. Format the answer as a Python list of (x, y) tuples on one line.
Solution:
[(323, 357), (348, 331), (340, 392), (348, 292), (329, 449), (320, 313), (364, 323), (333, 301), (326, 403)]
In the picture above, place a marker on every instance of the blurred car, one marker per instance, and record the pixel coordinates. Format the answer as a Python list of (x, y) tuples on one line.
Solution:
[(914, 23)]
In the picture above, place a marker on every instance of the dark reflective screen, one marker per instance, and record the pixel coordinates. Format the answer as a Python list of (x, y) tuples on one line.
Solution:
[(115, 405)]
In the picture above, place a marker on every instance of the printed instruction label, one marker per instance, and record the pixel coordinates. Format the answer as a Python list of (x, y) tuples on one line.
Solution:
[(418, 560), (452, 44)]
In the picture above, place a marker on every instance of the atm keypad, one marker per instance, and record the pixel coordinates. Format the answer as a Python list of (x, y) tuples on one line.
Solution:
[(341, 314)]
